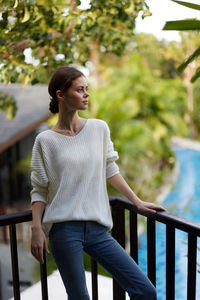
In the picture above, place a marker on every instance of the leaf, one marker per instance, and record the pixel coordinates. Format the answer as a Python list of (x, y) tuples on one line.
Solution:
[(34, 80), (26, 80), (188, 4), (16, 4), (8, 105), (26, 15), (196, 75), (37, 15), (194, 55), (187, 24)]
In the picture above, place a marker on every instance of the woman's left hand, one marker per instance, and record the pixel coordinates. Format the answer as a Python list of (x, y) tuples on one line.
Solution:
[(149, 207)]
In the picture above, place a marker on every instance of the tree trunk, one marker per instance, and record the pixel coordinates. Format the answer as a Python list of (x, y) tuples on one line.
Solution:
[(191, 108), (94, 58), (68, 30), (187, 75), (94, 75)]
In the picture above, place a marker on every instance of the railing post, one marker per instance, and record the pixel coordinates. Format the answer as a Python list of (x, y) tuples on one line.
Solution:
[(191, 276), (133, 236), (43, 272), (170, 263), (118, 232), (94, 280), (14, 259), (151, 250), (0, 283)]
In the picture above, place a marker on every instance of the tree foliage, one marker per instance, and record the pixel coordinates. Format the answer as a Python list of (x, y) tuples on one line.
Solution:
[(51, 28), (187, 25), (154, 53), (61, 32)]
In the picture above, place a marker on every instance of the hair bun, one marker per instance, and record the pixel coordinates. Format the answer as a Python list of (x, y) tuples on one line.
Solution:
[(53, 106)]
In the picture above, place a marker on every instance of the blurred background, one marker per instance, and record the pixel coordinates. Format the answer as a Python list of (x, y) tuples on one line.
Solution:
[(142, 71)]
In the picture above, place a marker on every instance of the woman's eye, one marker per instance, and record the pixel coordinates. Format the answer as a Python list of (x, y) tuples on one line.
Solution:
[(81, 90)]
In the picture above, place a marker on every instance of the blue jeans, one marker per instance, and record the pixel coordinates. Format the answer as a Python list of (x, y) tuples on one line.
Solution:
[(69, 239)]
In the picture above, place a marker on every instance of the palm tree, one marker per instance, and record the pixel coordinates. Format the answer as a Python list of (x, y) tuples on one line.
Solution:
[(190, 66)]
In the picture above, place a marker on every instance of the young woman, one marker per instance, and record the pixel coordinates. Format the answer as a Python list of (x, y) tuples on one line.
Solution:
[(70, 164)]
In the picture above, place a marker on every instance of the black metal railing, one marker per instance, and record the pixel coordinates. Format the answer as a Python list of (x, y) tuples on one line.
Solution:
[(11, 220), (119, 205)]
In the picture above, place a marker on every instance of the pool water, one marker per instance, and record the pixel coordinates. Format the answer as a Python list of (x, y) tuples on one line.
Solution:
[(184, 201)]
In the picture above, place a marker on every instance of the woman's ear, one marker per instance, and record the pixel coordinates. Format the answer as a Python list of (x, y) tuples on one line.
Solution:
[(59, 95)]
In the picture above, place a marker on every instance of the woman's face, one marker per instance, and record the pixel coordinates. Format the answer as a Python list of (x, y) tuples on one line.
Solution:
[(76, 97)]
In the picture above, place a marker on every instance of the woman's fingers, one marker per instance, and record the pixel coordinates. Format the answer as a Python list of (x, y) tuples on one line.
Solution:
[(151, 207), (155, 206), (159, 207), (37, 252), (150, 210), (38, 244)]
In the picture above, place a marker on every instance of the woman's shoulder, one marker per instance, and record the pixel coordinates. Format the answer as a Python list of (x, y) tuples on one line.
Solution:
[(43, 136), (99, 122)]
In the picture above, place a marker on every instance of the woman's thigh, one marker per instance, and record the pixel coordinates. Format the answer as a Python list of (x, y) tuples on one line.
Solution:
[(67, 248), (107, 251)]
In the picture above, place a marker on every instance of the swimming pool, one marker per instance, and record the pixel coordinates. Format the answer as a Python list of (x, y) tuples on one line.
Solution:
[(184, 201)]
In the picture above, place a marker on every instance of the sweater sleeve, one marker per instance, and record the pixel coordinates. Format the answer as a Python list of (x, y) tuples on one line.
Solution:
[(112, 155), (39, 179)]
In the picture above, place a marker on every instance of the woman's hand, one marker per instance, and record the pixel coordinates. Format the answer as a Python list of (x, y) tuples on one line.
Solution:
[(149, 207), (38, 244)]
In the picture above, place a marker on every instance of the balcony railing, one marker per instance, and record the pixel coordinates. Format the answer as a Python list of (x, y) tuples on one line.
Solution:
[(119, 205)]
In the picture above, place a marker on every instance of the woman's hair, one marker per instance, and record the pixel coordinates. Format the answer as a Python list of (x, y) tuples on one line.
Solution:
[(61, 80)]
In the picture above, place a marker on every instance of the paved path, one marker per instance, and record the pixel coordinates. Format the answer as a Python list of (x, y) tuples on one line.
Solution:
[(57, 291), (26, 264)]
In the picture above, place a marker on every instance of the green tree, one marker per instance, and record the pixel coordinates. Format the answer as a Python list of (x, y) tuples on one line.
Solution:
[(177, 51), (154, 55), (151, 49), (61, 32), (187, 25)]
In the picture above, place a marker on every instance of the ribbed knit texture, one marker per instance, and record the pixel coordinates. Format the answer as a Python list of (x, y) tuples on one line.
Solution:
[(69, 174)]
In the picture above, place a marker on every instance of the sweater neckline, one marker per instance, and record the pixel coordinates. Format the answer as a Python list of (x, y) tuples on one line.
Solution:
[(72, 136)]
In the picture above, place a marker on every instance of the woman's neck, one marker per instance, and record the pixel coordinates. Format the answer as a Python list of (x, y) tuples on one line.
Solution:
[(70, 123)]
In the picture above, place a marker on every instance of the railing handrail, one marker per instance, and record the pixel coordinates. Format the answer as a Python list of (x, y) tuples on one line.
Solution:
[(161, 216), (15, 218)]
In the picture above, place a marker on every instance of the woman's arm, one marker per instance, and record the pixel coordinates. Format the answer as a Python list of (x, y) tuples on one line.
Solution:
[(118, 182), (38, 241), (37, 212)]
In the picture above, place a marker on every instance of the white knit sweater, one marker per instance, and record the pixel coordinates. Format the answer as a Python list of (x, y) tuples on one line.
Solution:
[(69, 174)]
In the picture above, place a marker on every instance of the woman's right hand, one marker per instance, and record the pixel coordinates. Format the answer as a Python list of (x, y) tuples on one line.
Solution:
[(38, 244)]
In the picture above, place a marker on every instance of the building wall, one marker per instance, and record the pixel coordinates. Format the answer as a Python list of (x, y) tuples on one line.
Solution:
[(14, 185)]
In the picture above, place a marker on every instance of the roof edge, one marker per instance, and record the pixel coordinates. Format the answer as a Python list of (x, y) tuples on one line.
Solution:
[(23, 133)]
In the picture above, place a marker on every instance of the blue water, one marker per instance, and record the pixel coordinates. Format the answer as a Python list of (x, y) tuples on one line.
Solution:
[(184, 201)]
